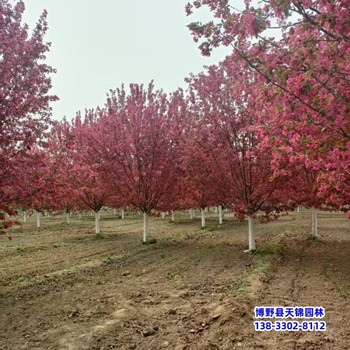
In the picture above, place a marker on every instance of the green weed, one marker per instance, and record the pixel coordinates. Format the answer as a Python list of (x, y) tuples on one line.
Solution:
[(106, 259), (171, 275), (341, 291), (241, 287), (20, 248)]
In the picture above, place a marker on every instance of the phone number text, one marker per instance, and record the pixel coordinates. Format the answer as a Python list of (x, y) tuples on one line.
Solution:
[(282, 326)]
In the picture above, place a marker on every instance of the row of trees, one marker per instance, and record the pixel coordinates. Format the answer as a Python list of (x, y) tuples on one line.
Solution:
[(303, 79), (263, 131)]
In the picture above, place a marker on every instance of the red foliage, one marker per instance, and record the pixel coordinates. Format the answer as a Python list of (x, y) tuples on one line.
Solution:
[(136, 139), (304, 79), (234, 160), (24, 97)]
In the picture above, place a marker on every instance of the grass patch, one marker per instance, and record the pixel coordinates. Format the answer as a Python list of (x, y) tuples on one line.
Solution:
[(259, 270), (81, 239), (269, 248), (208, 228), (98, 236), (312, 238), (242, 287), (20, 248), (106, 259), (180, 234), (341, 291), (150, 241), (171, 275)]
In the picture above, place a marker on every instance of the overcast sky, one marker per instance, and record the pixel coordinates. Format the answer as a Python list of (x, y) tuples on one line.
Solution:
[(98, 45)]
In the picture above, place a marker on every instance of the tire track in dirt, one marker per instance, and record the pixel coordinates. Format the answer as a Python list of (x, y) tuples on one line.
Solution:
[(284, 290), (62, 256), (300, 280), (146, 300), (179, 293)]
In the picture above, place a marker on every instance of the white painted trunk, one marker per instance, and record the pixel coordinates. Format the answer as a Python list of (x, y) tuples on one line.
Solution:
[(298, 209), (216, 210), (114, 211), (221, 216), (172, 216), (123, 213), (163, 215), (79, 216), (145, 227), (25, 216), (251, 233), (191, 214), (206, 209), (314, 222), (203, 217), (68, 218), (38, 223), (97, 222)]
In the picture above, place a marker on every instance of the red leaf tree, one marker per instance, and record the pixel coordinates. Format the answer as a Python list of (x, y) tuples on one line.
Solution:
[(305, 77), (91, 191), (138, 143), (226, 108), (24, 95)]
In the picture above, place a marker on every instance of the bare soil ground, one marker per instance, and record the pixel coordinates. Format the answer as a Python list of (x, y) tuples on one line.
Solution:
[(63, 288)]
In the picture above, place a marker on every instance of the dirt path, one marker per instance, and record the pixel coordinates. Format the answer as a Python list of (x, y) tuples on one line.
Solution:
[(311, 273), (194, 289)]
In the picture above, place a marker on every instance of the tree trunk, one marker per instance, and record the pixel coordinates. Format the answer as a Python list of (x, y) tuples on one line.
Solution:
[(221, 219), (97, 222), (298, 209), (68, 218), (203, 217), (251, 233), (114, 211), (38, 223), (24, 216), (123, 214), (79, 217), (145, 227), (191, 214), (163, 215), (172, 216), (314, 232)]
